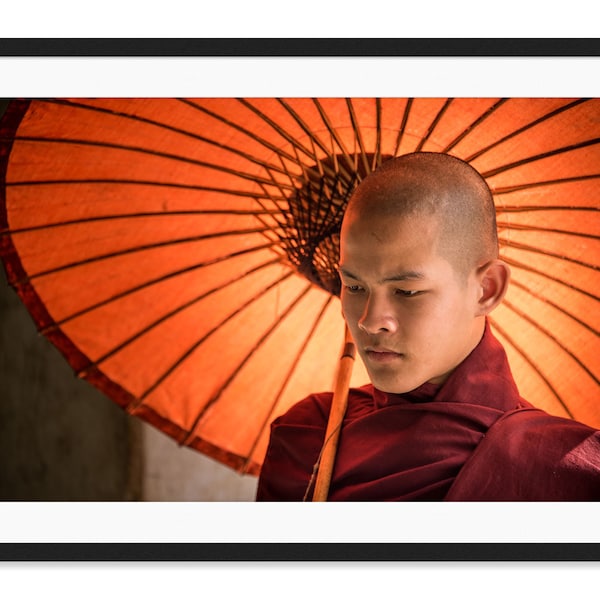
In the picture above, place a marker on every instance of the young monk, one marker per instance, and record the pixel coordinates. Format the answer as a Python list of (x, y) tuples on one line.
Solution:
[(442, 418)]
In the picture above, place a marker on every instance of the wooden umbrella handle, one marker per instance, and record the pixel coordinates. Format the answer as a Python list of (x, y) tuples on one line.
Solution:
[(336, 415)]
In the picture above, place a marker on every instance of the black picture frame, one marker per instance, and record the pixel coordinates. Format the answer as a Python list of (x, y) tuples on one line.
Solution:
[(300, 47)]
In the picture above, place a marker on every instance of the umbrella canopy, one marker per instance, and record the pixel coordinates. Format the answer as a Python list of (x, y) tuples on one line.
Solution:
[(181, 253)]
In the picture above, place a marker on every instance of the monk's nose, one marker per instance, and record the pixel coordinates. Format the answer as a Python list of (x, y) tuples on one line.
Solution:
[(377, 317)]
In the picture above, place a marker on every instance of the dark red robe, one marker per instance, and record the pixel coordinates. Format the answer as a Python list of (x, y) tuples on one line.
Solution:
[(473, 438)]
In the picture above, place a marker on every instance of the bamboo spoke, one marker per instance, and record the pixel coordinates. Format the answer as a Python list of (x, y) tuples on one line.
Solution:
[(526, 127), (161, 279), (540, 327), (175, 311), (199, 342), (473, 127), (433, 124), (136, 249), (286, 380), (536, 157), (236, 369), (509, 339)]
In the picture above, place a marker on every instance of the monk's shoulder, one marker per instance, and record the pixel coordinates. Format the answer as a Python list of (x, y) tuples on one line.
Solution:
[(529, 454), (527, 428)]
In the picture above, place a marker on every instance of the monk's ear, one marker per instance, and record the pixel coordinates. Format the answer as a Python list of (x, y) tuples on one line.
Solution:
[(493, 278)]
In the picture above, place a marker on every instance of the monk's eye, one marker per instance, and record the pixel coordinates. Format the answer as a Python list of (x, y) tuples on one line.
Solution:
[(408, 293), (353, 289)]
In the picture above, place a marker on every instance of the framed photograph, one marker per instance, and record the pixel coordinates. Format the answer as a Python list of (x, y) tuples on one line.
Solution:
[(120, 85)]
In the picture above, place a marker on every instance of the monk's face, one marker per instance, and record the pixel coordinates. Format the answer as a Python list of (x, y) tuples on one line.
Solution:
[(413, 317)]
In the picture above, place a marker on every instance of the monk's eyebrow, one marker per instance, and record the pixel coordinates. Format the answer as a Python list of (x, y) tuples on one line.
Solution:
[(406, 276), (346, 273), (403, 276)]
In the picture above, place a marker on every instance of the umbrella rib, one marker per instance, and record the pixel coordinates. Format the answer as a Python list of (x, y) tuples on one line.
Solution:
[(314, 139), (533, 123), (289, 172), (115, 217), (277, 201), (525, 186), (199, 188), (199, 342), (287, 240), (434, 124), (341, 176), (336, 190), (342, 169), (293, 221), (309, 132), (575, 261), (263, 142), (286, 379), (564, 311), (475, 124), (137, 249), (279, 130), (515, 227), (339, 184), (520, 350), (270, 228), (541, 328), (530, 159), (358, 135), (377, 155), (155, 281), (525, 267), (339, 193), (325, 206), (282, 203), (285, 170), (315, 224), (170, 128), (302, 208), (215, 397), (333, 134), (171, 314), (319, 222), (407, 109), (138, 149), (294, 144), (540, 208)]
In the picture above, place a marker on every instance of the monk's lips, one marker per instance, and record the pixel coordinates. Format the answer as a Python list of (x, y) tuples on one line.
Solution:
[(383, 356)]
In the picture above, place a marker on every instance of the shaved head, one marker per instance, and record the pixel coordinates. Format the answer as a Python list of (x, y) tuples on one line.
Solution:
[(433, 185)]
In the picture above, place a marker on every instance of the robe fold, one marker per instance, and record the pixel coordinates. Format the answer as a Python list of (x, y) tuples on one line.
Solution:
[(472, 438)]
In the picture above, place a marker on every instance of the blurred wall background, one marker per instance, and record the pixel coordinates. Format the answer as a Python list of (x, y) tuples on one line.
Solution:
[(61, 439)]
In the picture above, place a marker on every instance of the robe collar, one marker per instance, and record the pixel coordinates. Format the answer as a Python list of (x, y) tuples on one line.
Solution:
[(483, 378)]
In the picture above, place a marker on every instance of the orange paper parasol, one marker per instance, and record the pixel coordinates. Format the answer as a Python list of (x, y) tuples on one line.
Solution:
[(181, 253)]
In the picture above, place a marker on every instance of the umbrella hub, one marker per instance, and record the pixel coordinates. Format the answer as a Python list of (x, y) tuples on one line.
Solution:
[(312, 224)]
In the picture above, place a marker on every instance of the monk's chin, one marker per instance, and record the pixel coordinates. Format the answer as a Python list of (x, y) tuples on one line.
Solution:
[(395, 386), (402, 381)]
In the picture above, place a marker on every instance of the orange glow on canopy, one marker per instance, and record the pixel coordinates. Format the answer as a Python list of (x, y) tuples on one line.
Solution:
[(157, 243)]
